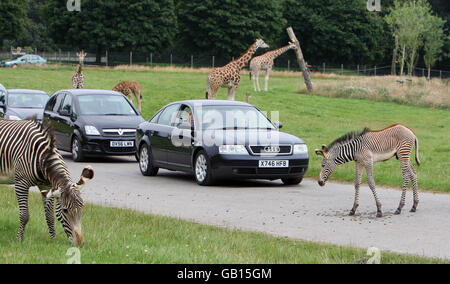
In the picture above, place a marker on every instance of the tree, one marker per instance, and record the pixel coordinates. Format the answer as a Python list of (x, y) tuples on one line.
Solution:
[(337, 31), (434, 41), (144, 25), (12, 19), (226, 28), (408, 23)]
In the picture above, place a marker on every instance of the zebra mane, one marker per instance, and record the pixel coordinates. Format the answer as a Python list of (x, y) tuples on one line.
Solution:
[(348, 137)]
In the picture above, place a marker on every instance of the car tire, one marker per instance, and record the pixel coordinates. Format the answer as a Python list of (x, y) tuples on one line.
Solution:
[(292, 181), (146, 161), (202, 169), (77, 153), (14, 66)]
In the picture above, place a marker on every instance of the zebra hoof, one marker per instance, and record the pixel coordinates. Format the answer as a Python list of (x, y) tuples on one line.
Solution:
[(413, 210), (352, 213), (379, 214), (398, 212)]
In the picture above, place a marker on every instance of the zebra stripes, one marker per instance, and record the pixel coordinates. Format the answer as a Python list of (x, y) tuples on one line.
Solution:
[(28, 157), (368, 147)]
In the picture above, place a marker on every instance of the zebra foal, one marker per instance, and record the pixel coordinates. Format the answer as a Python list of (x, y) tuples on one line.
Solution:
[(368, 147), (28, 157)]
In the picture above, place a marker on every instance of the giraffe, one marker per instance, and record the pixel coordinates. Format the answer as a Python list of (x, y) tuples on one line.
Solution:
[(78, 77), (129, 89), (265, 62), (229, 75)]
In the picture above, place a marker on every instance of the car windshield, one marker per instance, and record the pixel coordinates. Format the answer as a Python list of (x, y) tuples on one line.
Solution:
[(105, 105), (234, 117), (19, 100)]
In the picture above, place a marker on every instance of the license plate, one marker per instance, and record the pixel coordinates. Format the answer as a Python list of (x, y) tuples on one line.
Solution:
[(274, 164), (122, 144)]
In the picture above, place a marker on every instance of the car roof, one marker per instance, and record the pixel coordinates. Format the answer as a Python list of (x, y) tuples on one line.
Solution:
[(213, 103), (81, 92), (26, 91)]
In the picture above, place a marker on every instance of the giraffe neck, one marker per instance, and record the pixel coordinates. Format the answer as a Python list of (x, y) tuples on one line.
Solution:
[(242, 61), (277, 52)]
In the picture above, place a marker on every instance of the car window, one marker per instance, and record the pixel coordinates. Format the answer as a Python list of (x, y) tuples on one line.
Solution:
[(58, 102), (156, 117), (2, 97), (67, 104), (169, 115), (105, 104), (27, 100), (51, 104)]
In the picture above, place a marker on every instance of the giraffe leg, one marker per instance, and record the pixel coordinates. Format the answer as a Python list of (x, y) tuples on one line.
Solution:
[(371, 180), (232, 93), (359, 173), (138, 99), (257, 82), (406, 178), (255, 77), (266, 82), (49, 215), (413, 175), (22, 199)]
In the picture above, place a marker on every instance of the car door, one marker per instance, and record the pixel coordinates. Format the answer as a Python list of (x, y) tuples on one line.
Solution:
[(65, 119), (52, 119), (160, 136), (179, 154)]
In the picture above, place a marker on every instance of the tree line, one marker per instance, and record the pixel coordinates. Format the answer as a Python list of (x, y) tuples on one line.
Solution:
[(332, 31)]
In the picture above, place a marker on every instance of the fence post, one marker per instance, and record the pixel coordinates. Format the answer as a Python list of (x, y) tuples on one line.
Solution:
[(357, 69), (151, 59), (213, 62), (342, 69), (324, 68), (171, 60), (289, 65), (192, 61), (375, 70), (440, 74), (106, 58), (131, 58)]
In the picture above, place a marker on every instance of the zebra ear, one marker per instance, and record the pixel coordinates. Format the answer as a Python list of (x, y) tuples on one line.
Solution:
[(319, 153), (87, 173), (324, 148)]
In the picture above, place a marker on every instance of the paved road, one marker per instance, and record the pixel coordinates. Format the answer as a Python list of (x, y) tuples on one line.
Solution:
[(305, 212)]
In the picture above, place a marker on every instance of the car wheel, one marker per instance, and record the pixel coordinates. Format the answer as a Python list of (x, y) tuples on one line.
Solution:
[(77, 153), (202, 169), (292, 181), (14, 66), (146, 162)]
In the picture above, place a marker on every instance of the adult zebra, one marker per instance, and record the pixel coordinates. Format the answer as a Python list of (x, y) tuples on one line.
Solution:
[(28, 157), (368, 147)]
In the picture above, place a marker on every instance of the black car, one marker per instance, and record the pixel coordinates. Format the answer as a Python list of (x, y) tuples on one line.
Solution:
[(215, 139), (92, 122), (21, 104)]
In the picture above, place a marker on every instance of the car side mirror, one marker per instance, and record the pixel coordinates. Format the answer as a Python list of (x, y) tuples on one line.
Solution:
[(64, 112), (278, 125)]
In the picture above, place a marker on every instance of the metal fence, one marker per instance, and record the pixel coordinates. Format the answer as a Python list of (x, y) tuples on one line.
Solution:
[(169, 58)]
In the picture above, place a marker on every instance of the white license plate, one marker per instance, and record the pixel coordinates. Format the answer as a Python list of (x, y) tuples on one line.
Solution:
[(273, 164), (122, 144)]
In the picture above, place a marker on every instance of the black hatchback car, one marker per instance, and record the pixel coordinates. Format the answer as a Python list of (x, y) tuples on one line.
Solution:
[(92, 122), (215, 139)]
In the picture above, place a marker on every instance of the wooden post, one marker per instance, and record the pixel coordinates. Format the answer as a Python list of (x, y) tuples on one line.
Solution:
[(301, 60), (131, 58), (342, 69), (171, 59), (357, 69), (192, 61), (323, 68), (289, 65), (106, 58), (213, 62), (375, 70), (151, 59)]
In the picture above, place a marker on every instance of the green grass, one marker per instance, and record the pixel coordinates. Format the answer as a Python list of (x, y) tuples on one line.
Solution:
[(124, 236), (317, 119)]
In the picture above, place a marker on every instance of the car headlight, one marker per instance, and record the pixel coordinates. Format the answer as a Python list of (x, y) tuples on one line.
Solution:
[(13, 117), (91, 130), (233, 150), (300, 149)]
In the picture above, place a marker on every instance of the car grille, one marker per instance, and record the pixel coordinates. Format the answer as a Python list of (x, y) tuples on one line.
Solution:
[(271, 150), (119, 132)]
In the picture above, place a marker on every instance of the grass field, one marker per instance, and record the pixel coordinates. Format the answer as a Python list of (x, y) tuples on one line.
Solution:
[(124, 236), (317, 119)]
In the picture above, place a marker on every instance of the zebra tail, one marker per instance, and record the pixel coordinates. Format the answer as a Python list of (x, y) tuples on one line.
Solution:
[(417, 152)]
